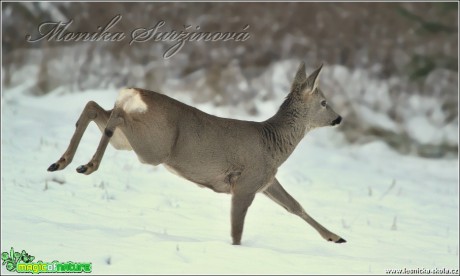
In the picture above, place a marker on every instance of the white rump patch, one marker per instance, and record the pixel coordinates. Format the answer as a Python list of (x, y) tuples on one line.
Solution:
[(131, 101)]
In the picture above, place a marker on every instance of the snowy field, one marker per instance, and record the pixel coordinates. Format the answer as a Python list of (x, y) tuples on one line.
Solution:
[(395, 211)]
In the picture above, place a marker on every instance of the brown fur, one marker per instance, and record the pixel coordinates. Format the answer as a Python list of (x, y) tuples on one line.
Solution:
[(226, 155)]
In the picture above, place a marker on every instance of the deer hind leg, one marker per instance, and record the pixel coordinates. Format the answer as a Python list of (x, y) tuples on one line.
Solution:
[(276, 192), (91, 112), (116, 119)]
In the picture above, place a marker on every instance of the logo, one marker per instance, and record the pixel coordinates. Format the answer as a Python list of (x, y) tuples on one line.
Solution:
[(22, 262)]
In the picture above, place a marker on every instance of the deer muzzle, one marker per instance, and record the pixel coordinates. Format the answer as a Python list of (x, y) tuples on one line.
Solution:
[(336, 121)]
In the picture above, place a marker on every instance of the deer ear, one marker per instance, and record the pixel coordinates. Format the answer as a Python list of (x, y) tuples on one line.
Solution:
[(299, 79), (312, 80)]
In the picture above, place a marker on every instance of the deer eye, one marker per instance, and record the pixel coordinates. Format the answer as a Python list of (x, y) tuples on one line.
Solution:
[(323, 103)]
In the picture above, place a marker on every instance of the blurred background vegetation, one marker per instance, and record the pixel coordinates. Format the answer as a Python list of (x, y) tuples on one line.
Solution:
[(409, 49)]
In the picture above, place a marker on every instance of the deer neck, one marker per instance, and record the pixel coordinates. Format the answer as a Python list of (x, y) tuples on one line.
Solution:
[(283, 132)]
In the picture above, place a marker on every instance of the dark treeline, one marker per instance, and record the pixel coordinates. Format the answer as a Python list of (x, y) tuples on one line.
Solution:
[(402, 38)]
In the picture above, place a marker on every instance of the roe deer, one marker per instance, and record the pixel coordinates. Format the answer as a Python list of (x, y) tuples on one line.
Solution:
[(236, 157)]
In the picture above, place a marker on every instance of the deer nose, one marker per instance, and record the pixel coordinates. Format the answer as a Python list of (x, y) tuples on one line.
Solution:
[(336, 121)]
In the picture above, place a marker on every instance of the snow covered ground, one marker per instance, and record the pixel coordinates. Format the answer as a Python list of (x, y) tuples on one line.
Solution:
[(395, 211)]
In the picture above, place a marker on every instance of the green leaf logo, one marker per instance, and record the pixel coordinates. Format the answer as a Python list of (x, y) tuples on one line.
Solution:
[(11, 260)]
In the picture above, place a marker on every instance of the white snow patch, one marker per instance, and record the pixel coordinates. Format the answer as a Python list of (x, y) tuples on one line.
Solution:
[(422, 131), (377, 119)]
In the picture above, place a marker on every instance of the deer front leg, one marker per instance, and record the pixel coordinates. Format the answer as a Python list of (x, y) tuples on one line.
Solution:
[(115, 120), (276, 192), (92, 112), (240, 205)]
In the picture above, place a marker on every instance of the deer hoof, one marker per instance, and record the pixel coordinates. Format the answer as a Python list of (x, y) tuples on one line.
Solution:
[(341, 241), (53, 167), (81, 169)]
